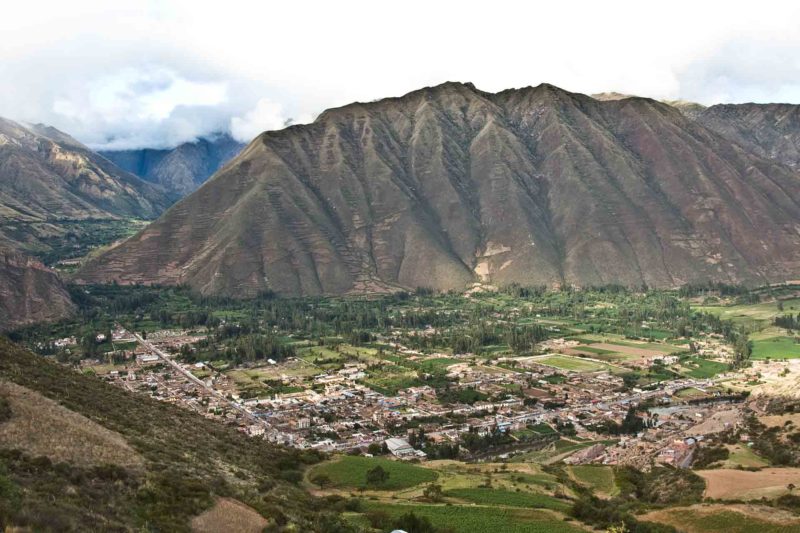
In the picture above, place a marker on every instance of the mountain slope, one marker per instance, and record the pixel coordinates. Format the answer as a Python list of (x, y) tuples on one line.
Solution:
[(180, 170), (48, 180), (769, 130), (29, 292), (450, 185), (125, 462)]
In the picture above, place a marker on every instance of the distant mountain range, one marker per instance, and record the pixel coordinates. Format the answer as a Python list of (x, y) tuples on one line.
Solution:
[(449, 185), (49, 180), (179, 170), (55, 191)]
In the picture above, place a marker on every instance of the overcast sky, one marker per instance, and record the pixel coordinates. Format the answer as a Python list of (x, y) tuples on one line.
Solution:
[(121, 74)]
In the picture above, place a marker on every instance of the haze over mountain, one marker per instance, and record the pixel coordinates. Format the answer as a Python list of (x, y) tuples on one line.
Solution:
[(450, 185), (180, 170), (49, 181)]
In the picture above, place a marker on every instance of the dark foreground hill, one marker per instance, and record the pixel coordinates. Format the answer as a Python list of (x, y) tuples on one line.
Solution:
[(29, 292), (180, 170), (450, 185), (52, 187), (77, 454)]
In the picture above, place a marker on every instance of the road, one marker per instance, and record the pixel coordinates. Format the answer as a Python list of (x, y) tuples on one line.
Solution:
[(197, 381)]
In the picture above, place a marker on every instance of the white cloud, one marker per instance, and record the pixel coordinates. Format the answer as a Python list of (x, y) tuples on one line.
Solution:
[(267, 115), (128, 73)]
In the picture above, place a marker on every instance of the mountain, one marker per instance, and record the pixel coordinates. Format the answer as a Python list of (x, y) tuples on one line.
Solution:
[(180, 170), (49, 183), (690, 109), (769, 130), (29, 292), (78, 454), (451, 185)]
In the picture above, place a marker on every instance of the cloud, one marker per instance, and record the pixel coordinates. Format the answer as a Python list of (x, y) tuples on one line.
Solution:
[(130, 73), (267, 115)]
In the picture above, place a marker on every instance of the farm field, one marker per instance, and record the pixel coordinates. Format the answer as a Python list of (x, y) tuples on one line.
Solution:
[(599, 478), (509, 498), (715, 518), (760, 312), (351, 472), (743, 456), (479, 518), (573, 364), (734, 484), (700, 368), (776, 348)]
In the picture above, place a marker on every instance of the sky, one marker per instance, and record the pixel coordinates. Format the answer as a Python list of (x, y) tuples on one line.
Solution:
[(123, 75)]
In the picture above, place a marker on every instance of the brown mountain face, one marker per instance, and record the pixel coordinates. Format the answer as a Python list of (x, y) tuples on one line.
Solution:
[(450, 185), (48, 179), (29, 292), (182, 169), (769, 130)]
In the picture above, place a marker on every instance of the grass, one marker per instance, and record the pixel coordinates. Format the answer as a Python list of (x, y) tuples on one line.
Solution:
[(723, 522), (437, 363), (351, 472), (776, 348), (479, 519), (700, 368), (528, 500), (600, 478), (745, 457)]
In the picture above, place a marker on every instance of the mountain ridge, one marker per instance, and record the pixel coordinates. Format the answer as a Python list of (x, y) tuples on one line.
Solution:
[(182, 169), (48, 180), (449, 185)]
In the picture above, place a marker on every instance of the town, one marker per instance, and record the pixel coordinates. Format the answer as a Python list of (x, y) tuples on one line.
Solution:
[(573, 395)]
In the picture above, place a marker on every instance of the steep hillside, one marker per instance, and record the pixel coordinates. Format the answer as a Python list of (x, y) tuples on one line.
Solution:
[(49, 182), (29, 292), (770, 130), (125, 462), (450, 185), (180, 170)]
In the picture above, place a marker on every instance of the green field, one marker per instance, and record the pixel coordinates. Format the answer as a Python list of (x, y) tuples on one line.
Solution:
[(700, 368), (351, 471), (599, 478), (760, 312), (437, 363), (479, 519), (528, 500), (743, 456), (776, 348)]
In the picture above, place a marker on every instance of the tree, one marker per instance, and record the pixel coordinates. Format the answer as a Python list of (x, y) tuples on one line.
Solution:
[(433, 493), (321, 480), (377, 476)]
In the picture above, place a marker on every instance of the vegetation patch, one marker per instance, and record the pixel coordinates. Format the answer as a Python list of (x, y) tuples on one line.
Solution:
[(479, 518), (488, 496), (353, 472), (229, 515)]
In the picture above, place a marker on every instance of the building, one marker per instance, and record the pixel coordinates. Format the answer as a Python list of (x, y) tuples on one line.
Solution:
[(399, 447)]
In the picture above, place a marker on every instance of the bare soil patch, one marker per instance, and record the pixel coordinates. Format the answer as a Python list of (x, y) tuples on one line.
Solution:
[(39, 426), (780, 420), (741, 484), (229, 515), (627, 350)]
